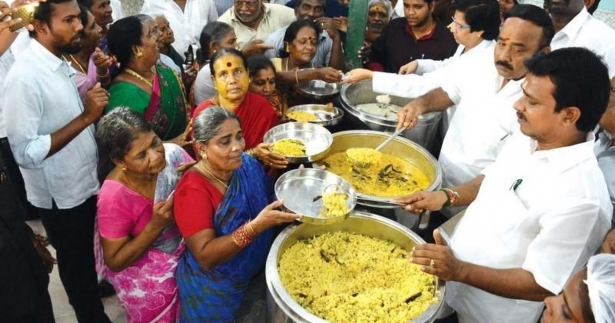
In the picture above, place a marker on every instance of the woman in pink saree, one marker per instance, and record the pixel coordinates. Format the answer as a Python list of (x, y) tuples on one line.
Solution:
[(141, 245)]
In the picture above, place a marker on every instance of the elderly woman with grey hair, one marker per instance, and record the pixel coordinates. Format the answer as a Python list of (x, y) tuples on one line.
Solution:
[(141, 246), (215, 36), (225, 210)]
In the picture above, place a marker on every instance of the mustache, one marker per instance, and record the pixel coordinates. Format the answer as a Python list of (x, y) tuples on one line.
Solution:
[(504, 64), (521, 116)]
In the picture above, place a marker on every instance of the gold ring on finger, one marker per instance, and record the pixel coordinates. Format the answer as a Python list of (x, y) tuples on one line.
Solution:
[(432, 263)]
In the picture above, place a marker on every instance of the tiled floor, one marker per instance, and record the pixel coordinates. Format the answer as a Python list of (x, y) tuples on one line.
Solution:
[(62, 310)]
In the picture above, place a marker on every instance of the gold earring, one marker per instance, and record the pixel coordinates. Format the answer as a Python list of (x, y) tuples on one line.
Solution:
[(204, 156), (286, 47), (138, 53)]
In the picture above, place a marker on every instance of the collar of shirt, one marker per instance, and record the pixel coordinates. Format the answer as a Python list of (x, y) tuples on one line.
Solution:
[(430, 35), (265, 15), (565, 157), (46, 57), (574, 26)]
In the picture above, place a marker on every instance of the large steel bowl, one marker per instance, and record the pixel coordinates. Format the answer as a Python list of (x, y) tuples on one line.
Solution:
[(281, 307), (353, 95), (316, 139), (400, 147)]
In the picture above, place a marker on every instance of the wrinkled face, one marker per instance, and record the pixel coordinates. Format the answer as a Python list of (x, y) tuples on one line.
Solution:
[(228, 42), (231, 77), (101, 9), (149, 43), (377, 18), (92, 33), (263, 82), (224, 149), (248, 10), (461, 30), (505, 5), (518, 40), (303, 47), (146, 155), (167, 37), (563, 7), (417, 12), (310, 9), (536, 108), (607, 121), (567, 307), (64, 30)]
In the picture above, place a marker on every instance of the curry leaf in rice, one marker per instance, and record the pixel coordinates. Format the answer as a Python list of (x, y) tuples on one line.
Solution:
[(346, 277)]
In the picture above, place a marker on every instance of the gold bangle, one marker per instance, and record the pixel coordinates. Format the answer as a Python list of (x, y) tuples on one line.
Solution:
[(297, 76), (249, 225)]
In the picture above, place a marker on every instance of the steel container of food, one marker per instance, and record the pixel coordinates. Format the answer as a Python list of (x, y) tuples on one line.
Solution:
[(353, 95), (281, 308)]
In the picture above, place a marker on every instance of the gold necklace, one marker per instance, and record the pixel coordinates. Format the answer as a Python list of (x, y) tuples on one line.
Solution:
[(78, 64), (137, 75), (212, 175)]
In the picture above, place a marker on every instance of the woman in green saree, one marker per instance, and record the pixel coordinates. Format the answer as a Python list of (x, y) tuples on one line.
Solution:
[(152, 90)]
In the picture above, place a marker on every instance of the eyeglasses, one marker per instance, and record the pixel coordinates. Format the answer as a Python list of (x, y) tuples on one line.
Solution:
[(460, 26)]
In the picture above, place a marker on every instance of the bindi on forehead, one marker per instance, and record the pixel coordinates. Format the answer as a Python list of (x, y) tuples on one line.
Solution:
[(377, 9), (229, 64)]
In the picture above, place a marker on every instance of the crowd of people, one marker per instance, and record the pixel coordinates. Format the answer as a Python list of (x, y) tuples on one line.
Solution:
[(138, 142)]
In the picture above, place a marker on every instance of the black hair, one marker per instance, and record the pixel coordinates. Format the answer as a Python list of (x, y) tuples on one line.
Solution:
[(256, 63), (538, 17), (122, 35), (44, 9), (593, 7), (118, 129), (83, 16), (222, 52), (86, 3), (298, 4), (213, 32), (581, 80), (293, 30), (481, 15)]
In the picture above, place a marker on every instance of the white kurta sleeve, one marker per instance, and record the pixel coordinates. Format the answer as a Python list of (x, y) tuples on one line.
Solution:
[(407, 86)]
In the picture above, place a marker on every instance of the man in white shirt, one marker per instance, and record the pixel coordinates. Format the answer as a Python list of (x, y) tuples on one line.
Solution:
[(484, 91), (187, 19), (51, 135), (575, 27), (537, 213), (329, 51), (255, 20)]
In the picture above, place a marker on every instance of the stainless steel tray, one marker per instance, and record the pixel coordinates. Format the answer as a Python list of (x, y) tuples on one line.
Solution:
[(301, 190), (327, 115), (317, 139)]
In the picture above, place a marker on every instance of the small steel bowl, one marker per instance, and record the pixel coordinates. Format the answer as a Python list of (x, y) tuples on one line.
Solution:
[(318, 89), (317, 139), (302, 189), (327, 115)]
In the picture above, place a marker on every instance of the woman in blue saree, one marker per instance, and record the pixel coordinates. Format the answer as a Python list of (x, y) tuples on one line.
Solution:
[(225, 209)]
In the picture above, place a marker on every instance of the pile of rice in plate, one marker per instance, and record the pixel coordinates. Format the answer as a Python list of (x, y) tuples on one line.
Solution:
[(347, 277), (289, 147)]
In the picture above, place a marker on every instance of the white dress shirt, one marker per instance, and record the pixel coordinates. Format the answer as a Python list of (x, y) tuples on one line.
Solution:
[(433, 73), (275, 17), (544, 211), (323, 52), (484, 118), (586, 31), (605, 154), (40, 84), (186, 25)]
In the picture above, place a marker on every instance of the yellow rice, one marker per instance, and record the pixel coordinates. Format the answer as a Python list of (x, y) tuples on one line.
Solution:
[(378, 178), (289, 147), (346, 277), (334, 204), (302, 116)]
